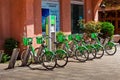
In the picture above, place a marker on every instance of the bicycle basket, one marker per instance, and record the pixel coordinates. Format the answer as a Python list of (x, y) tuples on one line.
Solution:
[(39, 40), (26, 41), (61, 38), (93, 35), (78, 37), (70, 37)]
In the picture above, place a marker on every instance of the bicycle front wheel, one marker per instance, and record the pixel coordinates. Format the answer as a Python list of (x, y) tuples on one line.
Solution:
[(26, 58), (49, 60), (110, 49), (62, 58)]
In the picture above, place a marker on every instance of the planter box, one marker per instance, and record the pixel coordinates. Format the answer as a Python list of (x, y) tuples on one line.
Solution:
[(116, 38)]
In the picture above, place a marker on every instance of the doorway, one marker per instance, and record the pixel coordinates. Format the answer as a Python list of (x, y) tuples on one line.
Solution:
[(76, 13)]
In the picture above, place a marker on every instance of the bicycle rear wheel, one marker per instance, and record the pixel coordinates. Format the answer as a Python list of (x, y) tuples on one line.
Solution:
[(48, 60), (92, 53), (62, 58), (100, 51), (110, 49)]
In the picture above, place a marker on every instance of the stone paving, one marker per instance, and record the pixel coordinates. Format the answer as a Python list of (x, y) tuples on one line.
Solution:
[(107, 68)]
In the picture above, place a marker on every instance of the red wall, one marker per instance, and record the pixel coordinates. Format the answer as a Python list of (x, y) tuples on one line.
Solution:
[(65, 15), (15, 15), (4, 21), (90, 9), (19, 16)]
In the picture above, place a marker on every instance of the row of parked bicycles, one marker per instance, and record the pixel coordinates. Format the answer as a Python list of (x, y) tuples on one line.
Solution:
[(71, 46)]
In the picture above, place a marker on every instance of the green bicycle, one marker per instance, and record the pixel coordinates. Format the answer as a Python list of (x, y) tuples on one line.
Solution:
[(73, 50), (90, 47), (99, 47), (46, 58), (110, 47), (61, 55)]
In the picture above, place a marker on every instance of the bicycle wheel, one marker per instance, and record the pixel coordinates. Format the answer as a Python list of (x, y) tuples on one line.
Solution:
[(69, 52), (92, 53), (110, 49), (22, 55), (48, 60), (26, 58), (82, 55), (62, 58), (38, 51), (100, 51)]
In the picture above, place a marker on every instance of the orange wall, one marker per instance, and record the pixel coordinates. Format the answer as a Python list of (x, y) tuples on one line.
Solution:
[(19, 16), (91, 9), (65, 15), (4, 21)]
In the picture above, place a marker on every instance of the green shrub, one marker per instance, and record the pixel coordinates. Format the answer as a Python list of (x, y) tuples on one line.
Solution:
[(107, 29), (59, 33), (81, 24), (9, 45), (92, 27), (5, 58)]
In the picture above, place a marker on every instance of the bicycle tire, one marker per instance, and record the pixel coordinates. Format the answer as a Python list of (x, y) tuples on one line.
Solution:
[(92, 53), (81, 55), (48, 57), (108, 48), (22, 55), (100, 51), (28, 59), (62, 58)]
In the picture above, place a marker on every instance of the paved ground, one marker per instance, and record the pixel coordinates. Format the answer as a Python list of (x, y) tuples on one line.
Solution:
[(107, 68)]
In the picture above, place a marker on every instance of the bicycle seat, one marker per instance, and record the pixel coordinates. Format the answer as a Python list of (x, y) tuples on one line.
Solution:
[(56, 43)]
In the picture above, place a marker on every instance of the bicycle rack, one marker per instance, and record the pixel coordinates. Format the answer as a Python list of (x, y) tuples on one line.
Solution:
[(13, 58), (1, 54)]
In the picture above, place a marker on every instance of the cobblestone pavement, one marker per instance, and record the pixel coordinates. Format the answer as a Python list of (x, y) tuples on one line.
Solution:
[(107, 68)]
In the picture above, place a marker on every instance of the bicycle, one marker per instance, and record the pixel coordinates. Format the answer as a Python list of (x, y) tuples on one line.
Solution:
[(99, 47), (109, 46), (61, 56), (46, 58), (90, 47), (81, 52), (75, 51)]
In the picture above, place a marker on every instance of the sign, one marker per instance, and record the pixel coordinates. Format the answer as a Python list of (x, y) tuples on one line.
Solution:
[(53, 7)]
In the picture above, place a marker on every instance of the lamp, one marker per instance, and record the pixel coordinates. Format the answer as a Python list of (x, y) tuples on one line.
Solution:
[(103, 7)]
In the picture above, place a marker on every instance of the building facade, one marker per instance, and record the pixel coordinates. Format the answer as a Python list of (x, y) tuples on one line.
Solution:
[(25, 17), (111, 13)]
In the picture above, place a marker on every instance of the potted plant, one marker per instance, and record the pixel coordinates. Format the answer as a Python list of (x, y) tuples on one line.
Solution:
[(107, 29), (92, 27), (9, 45)]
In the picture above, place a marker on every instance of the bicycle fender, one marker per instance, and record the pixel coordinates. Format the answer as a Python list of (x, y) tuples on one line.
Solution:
[(61, 51), (49, 53), (82, 48), (111, 43)]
